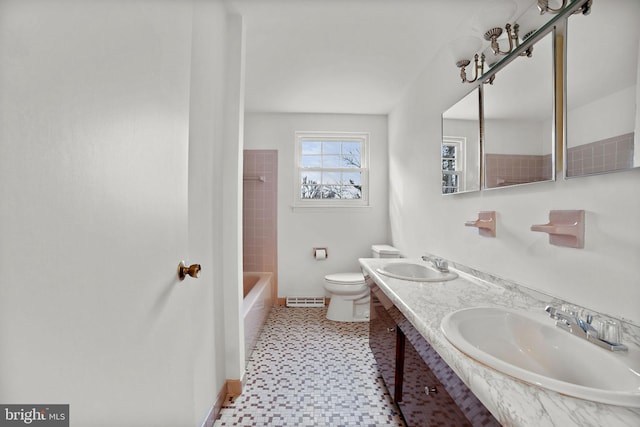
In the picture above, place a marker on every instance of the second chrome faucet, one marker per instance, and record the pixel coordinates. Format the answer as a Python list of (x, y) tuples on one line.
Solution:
[(439, 263)]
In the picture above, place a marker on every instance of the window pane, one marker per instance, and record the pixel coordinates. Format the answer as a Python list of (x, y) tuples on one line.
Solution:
[(330, 191), (311, 192), (353, 178), (449, 180), (351, 192), (331, 147), (449, 165), (349, 161), (311, 161), (332, 178), (331, 161), (311, 177), (311, 147), (448, 151), (449, 190), (351, 157), (352, 148)]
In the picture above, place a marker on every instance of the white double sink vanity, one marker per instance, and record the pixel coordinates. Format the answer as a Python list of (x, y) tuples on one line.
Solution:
[(525, 365)]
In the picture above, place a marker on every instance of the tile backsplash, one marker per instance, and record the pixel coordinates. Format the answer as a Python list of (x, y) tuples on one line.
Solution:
[(604, 155), (510, 169)]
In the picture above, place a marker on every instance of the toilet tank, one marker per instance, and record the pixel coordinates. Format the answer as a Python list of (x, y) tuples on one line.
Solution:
[(384, 251)]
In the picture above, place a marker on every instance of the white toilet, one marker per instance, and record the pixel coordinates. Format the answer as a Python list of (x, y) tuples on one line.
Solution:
[(349, 292)]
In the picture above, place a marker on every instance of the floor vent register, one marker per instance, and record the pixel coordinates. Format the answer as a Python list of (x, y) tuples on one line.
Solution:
[(305, 301)]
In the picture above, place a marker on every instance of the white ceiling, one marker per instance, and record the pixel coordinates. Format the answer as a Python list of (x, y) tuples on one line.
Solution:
[(341, 56), (360, 56)]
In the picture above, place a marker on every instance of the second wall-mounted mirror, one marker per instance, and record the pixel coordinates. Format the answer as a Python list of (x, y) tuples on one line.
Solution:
[(602, 90), (519, 120)]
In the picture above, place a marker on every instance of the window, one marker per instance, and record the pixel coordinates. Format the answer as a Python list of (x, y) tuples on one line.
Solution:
[(453, 164), (332, 169)]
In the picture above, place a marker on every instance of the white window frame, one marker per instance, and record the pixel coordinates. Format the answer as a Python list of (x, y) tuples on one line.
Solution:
[(460, 142), (363, 138)]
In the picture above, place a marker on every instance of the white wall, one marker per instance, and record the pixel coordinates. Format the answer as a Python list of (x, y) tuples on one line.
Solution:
[(213, 38), (110, 121), (348, 234), (603, 118), (517, 137), (604, 276), (230, 179)]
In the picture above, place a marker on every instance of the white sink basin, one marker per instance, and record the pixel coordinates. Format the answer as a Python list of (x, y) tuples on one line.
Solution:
[(532, 349), (415, 272)]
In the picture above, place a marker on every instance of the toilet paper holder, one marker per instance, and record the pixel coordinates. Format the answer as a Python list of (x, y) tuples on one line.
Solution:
[(316, 250)]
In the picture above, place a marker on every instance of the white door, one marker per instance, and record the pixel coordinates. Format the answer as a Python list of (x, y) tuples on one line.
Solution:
[(94, 103)]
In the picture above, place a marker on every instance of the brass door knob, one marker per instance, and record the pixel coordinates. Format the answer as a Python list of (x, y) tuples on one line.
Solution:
[(193, 270)]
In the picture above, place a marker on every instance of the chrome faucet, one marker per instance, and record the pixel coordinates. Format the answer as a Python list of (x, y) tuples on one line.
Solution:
[(440, 264), (571, 322)]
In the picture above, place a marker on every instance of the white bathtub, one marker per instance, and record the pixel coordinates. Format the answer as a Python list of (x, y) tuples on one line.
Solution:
[(256, 305)]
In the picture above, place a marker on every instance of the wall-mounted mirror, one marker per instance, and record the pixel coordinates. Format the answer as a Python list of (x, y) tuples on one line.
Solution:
[(602, 90), (461, 146), (519, 120)]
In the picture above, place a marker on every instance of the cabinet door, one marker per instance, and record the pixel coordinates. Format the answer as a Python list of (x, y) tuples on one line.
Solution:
[(424, 401), (382, 340)]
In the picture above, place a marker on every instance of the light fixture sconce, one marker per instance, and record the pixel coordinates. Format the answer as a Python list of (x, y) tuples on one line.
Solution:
[(543, 7), (478, 68), (513, 37)]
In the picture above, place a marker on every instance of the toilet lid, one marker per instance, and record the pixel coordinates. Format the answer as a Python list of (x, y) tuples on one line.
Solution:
[(345, 278)]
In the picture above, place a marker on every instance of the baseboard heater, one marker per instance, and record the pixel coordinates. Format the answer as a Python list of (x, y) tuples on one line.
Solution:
[(305, 302)]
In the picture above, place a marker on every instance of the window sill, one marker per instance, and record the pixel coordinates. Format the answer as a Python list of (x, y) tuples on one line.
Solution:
[(329, 209)]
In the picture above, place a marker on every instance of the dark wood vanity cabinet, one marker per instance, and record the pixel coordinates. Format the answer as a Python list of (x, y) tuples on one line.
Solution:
[(426, 390), (383, 341)]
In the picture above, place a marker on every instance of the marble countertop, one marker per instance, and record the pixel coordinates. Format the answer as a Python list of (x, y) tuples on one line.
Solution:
[(512, 402)]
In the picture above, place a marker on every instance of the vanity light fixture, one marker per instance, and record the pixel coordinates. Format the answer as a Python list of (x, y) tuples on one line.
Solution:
[(490, 17), (489, 22)]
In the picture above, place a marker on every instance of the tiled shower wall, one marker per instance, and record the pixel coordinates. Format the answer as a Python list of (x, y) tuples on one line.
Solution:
[(509, 169), (600, 156), (259, 216)]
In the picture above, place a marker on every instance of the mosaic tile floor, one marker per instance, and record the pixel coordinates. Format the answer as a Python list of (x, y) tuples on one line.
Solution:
[(310, 371)]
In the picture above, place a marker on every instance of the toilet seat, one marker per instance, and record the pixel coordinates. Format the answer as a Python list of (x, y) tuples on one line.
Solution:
[(345, 279)]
